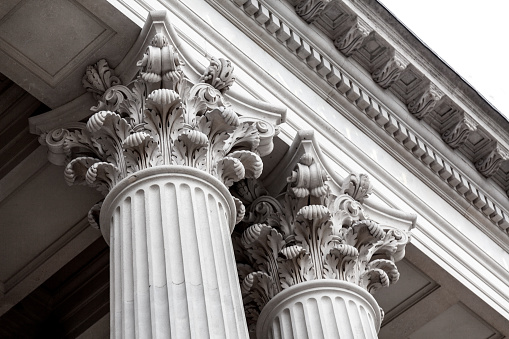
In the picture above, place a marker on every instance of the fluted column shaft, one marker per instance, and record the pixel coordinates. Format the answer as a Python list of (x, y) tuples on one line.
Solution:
[(173, 271), (320, 309)]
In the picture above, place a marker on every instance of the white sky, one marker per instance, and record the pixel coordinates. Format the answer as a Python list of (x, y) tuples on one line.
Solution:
[(470, 36)]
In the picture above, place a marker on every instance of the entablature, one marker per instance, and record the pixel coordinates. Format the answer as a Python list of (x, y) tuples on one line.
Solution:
[(397, 61), (450, 136)]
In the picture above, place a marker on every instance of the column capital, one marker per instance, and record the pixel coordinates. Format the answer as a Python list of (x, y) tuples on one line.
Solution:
[(315, 229), (166, 115)]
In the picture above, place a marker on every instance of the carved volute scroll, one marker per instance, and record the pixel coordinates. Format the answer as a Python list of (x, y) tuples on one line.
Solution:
[(161, 118), (491, 162), (309, 232)]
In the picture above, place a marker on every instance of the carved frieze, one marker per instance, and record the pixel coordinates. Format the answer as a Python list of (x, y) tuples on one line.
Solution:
[(161, 118), (310, 233)]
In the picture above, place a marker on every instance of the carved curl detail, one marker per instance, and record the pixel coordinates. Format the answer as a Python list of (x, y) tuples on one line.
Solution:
[(161, 64), (390, 72), (350, 42), (219, 74), (490, 164), (310, 10), (425, 103), (308, 178), (98, 78), (357, 186), (161, 118), (459, 133)]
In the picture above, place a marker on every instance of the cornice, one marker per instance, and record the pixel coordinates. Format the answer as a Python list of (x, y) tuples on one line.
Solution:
[(387, 140), (342, 83), (427, 59), (431, 91)]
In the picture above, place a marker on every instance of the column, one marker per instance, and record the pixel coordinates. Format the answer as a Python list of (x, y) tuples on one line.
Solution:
[(164, 150), (324, 308), (173, 272)]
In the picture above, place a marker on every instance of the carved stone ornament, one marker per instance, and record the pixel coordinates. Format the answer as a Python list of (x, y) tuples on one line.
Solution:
[(390, 72), (160, 118), (309, 233), (490, 164), (353, 38), (310, 10), (425, 103), (459, 133), (98, 78)]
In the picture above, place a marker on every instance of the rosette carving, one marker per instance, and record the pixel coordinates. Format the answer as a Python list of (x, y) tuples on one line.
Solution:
[(161, 118), (309, 233)]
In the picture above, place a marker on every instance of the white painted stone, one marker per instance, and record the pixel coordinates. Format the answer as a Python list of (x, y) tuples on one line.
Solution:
[(316, 309), (172, 266)]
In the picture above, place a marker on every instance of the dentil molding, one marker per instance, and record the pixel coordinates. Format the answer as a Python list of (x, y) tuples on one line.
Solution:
[(424, 99)]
